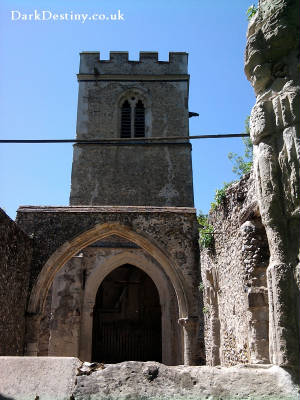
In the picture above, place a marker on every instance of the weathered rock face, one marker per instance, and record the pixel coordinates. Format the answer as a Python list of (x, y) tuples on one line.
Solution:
[(136, 381), (64, 378), (15, 250), (272, 66), (234, 281)]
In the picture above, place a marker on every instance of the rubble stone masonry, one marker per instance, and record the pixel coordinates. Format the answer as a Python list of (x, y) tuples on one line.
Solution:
[(234, 281), (15, 250)]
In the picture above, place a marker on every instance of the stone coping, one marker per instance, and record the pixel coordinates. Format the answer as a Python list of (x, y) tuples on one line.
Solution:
[(105, 209)]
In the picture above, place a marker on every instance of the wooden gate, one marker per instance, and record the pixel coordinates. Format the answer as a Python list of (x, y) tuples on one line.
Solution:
[(120, 341), (127, 318)]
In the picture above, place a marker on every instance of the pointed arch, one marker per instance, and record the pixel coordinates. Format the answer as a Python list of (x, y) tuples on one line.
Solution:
[(98, 232), (133, 110), (158, 276)]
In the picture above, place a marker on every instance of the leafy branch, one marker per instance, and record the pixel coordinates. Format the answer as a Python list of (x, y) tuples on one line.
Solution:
[(201, 287), (243, 164), (220, 195), (252, 10), (206, 230)]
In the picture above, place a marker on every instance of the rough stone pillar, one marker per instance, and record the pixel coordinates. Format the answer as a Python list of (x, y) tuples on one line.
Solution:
[(66, 309), (272, 66), (284, 314), (258, 332), (32, 334), (85, 346), (214, 328), (190, 330)]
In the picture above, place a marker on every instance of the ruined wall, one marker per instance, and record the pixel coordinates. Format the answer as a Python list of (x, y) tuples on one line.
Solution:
[(234, 281), (15, 250), (272, 66)]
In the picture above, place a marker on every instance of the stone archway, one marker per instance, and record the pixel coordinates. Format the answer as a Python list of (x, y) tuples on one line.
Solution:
[(72, 247), (69, 249), (127, 318), (172, 349)]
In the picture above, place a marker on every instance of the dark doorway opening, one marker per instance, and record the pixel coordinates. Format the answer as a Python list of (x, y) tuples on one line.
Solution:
[(127, 318)]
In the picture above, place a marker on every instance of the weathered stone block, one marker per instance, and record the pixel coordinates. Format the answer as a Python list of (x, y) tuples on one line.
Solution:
[(51, 378), (47, 378), (262, 121)]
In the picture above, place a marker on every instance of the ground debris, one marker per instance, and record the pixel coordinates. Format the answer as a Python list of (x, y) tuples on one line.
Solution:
[(88, 367)]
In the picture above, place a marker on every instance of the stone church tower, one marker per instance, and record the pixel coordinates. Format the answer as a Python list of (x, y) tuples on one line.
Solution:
[(115, 275), (122, 99)]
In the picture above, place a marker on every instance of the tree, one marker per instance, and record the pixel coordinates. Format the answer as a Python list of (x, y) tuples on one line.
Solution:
[(243, 164)]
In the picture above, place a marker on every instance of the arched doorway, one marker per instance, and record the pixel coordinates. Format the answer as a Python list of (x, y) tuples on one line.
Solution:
[(174, 297), (127, 318)]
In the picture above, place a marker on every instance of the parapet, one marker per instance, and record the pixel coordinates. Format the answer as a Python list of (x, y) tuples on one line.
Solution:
[(118, 63)]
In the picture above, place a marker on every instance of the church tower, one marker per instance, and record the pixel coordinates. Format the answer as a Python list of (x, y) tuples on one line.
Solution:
[(128, 104)]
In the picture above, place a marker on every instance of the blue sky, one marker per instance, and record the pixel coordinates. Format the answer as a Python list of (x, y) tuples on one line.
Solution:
[(38, 87)]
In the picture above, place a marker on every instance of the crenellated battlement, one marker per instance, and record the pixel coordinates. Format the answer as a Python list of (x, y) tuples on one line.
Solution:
[(119, 63)]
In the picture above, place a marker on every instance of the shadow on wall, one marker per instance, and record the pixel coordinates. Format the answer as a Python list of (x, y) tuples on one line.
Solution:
[(5, 398), (294, 374)]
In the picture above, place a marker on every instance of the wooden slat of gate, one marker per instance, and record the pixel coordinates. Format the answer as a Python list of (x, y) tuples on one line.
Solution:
[(118, 342)]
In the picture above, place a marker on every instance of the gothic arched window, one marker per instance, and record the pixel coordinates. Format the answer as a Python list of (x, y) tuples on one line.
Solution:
[(132, 118)]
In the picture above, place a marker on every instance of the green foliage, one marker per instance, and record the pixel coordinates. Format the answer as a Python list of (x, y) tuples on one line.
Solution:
[(243, 164), (206, 237), (201, 286), (252, 10), (205, 310), (220, 195)]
